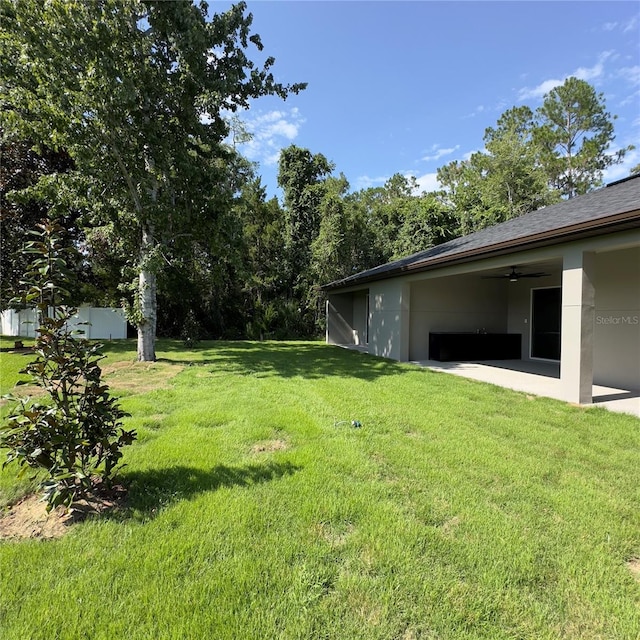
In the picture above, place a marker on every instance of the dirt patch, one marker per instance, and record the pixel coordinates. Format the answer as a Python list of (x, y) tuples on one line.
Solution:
[(24, 390), (449, 526), (336, 534), (28, 519), (634, 566), (140, 377), (134, 377), (269, 445)]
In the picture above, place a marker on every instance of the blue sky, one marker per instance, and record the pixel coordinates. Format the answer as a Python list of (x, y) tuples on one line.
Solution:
[(406, 87)]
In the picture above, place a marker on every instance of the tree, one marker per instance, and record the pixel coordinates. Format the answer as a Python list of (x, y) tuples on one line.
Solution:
[(575, 132), (136, 92), (505, 180), (426, 222), (302, 176), (514, 180), (331, 249), (77, 435), (462, 182), (264, 283)]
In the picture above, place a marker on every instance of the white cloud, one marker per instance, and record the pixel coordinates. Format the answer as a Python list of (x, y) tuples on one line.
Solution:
[(436, 152), (366, 182), (428, 182), (625, 27), (479, 109), (622, 170), (582, 73), (630, 75), (630, 25), (589, 73), (270, 132), (633, 98), (542, 89), (468, 154)]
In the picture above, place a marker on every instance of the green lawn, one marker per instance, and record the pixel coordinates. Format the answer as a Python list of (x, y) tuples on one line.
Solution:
[(457, 510)]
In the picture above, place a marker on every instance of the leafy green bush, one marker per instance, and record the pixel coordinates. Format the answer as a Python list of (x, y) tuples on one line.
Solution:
[(76, 435)]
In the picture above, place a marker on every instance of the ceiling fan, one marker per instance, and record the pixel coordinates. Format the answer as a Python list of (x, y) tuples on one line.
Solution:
[(514, 275)]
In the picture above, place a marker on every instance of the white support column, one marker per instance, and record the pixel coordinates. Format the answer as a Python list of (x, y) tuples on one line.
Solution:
[(578, 311)]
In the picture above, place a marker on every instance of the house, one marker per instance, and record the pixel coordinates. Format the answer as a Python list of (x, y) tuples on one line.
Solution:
[(557, 285)]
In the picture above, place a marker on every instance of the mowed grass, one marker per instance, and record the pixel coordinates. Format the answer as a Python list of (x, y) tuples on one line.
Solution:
[(255, 510)]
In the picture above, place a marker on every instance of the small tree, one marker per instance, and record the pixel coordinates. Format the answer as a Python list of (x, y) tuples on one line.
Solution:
[(75, 436)]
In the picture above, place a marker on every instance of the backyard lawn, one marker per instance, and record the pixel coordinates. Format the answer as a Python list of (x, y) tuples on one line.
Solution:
[(257, 511)]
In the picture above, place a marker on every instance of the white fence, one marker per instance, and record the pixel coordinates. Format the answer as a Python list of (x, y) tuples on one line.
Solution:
[(99, 323)]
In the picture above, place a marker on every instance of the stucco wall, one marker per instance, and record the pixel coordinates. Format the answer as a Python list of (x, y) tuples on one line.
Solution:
[(389, 304), (455, 303), (616, 355)]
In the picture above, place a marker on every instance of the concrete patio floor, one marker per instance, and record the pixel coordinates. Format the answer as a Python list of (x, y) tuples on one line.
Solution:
[(537, 378)]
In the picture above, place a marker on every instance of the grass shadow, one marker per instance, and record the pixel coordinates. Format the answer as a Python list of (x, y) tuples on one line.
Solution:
[(285, 359), (149, 491)]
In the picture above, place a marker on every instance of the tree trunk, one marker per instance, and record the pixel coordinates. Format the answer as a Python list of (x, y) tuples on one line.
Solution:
[(147, 287)]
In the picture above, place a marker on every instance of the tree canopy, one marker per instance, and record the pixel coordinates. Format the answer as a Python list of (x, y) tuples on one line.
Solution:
[(119, 115), (136, 92), (534, 159), (575, 131)]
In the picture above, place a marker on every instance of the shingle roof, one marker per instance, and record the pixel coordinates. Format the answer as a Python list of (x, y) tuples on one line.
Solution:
[(614, 206)]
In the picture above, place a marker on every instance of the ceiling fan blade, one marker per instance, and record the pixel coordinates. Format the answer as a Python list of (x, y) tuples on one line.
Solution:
[(516, 275)]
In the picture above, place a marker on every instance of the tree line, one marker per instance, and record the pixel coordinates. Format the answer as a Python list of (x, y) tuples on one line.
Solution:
[(115, 121)]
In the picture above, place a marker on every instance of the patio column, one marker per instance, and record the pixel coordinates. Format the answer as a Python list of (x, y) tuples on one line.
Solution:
[(578, 311)]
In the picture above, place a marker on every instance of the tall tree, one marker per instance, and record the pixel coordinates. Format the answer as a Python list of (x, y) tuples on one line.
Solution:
[(575, 132), (264, 282), (505, 180), (331, 249), (136, 92), (426, 221), (514, 180), (302, 176)]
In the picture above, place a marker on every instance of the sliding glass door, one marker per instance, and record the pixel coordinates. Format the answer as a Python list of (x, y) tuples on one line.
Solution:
[(546, 316)]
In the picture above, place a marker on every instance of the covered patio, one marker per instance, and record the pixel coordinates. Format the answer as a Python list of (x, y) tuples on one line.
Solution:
[(537, 378), (547, 303)]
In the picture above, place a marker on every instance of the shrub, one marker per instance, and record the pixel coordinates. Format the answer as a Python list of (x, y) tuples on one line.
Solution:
[(76, 435)]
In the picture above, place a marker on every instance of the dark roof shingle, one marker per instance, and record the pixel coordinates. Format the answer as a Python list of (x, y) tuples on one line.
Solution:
[(595, 211)]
